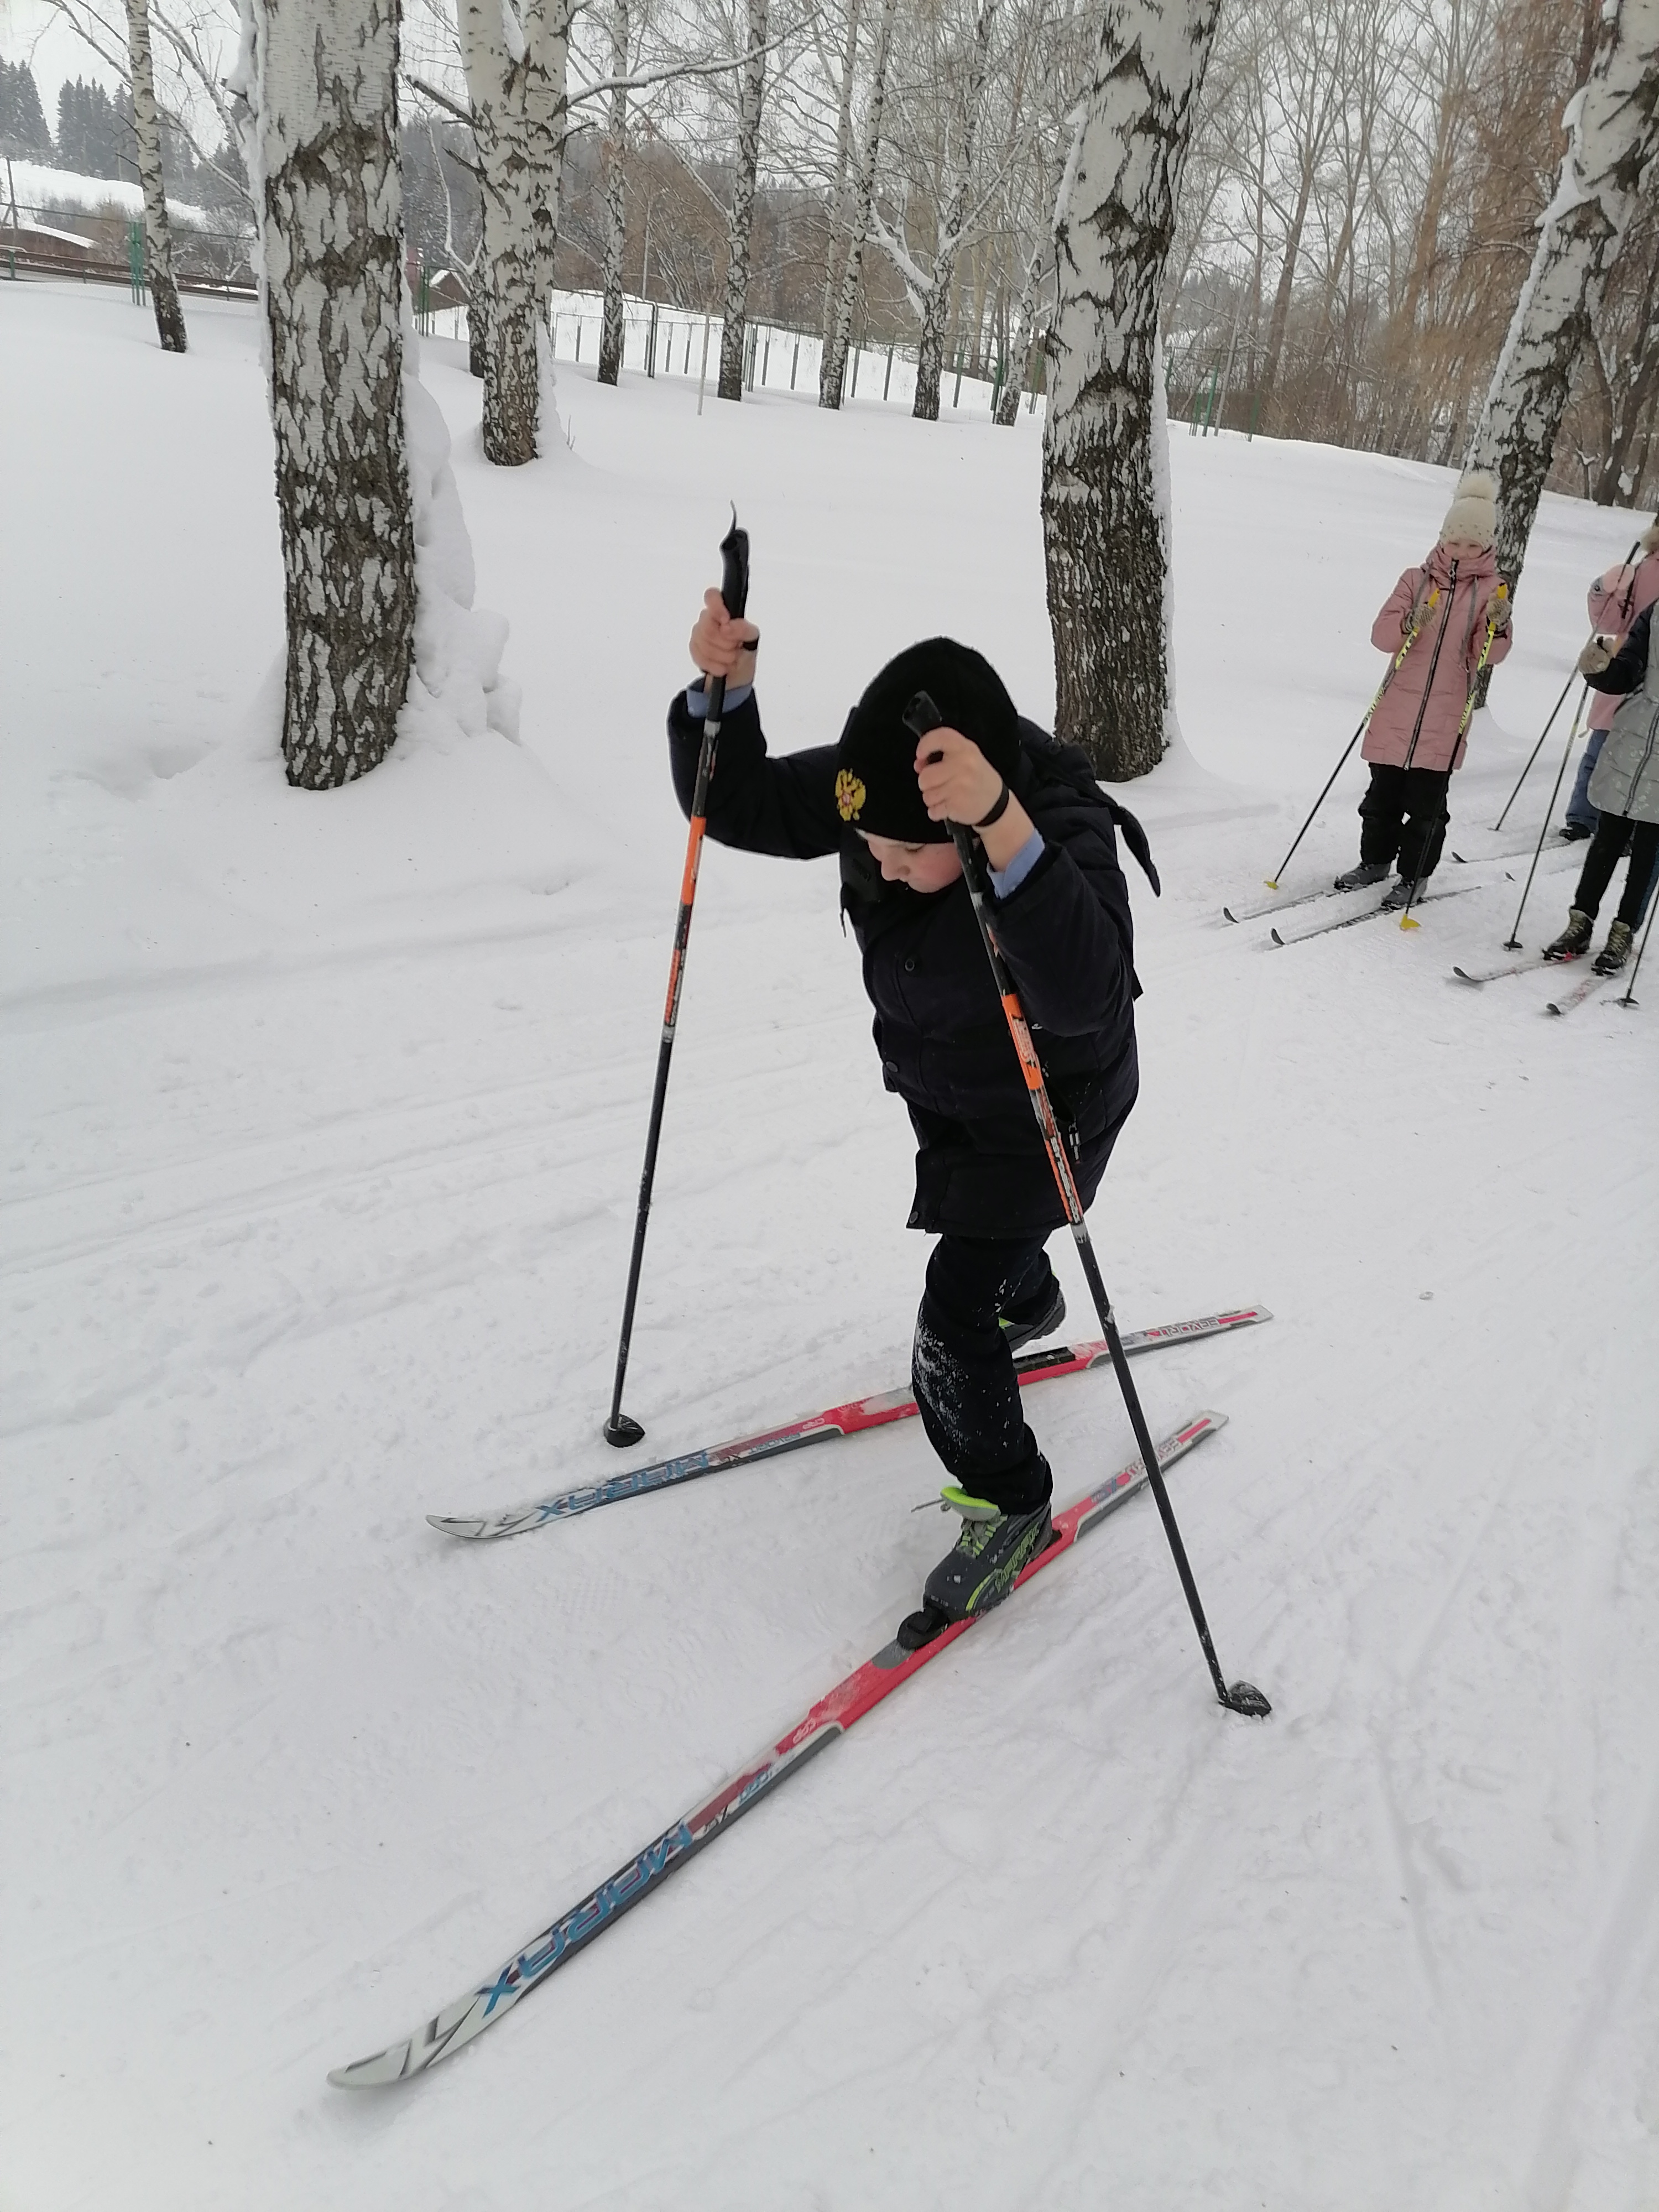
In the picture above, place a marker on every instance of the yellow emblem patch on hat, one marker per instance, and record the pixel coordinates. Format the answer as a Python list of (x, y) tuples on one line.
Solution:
[(850, 796)]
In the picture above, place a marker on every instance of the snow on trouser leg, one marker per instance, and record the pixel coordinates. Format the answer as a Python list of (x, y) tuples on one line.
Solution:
[(962, 1370)]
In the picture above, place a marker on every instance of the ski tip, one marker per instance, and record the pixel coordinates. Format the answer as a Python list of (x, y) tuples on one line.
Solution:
[(1228, 912), (449, 1525), (1463, 976), (386, 2066), (1275, 936), (1202, 1424)]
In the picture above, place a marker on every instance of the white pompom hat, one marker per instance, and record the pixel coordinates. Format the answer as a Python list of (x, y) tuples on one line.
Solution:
[(1473, 514)]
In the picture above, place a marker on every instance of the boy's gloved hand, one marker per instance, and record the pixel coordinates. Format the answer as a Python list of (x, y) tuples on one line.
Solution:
[(723, 644), (1595, 657), (958, 784)]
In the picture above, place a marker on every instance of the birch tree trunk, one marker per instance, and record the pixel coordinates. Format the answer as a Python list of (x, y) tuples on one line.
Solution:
[(515, 80), (147, 130), (840, 215), (1632, 383), (1021, 327), (320, 83), (1614, 123), (832, 373), (735, 320), (940, 297), (613, 334), (1105, 458)]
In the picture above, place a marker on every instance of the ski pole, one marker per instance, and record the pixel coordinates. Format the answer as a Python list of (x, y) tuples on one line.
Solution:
[(1512, 942), (1630, 563), (1271, 881), (920, 716), (1536, 749), (1440, 827), (621, 1429), (1630, 998)]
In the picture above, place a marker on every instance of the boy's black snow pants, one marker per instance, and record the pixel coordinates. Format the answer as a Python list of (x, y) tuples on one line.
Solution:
[(1602, 858), (963, 1371), (1403, 818)]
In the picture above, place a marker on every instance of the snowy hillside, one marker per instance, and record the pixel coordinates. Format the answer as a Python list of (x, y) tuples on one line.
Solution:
[(324, 1123), (36, 185)]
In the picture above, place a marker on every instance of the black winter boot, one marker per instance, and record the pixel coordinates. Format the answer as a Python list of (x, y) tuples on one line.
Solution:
[(1574, 939), (1362, 877), (1040, 1315), (1614, 953), (981, 1567)]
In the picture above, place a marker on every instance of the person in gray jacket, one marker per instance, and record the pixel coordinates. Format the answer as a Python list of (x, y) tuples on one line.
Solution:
[(1624, 792)]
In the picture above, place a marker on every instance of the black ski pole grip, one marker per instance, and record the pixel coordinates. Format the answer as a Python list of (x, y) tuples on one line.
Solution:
[(734, 568), (921, 715)]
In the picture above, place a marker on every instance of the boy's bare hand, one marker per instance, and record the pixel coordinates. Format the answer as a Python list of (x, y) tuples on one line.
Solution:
[(958, 784), (723, 644)]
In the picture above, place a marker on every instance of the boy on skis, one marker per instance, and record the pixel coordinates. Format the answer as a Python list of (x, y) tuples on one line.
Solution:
[(881, 801), (1625, 791), (1415, 737)]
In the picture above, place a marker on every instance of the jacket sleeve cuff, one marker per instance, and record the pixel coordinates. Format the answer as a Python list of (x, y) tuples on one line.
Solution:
[(1006, 881), (697, 698)]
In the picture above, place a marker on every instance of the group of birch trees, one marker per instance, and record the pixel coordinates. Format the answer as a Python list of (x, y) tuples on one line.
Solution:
[(1058, 183)]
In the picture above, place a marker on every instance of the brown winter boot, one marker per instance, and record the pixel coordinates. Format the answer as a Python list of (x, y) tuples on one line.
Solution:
[(1574, 939), (1614, 953)]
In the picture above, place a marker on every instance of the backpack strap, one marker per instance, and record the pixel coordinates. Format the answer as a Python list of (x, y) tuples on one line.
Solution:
[(1070, 765)]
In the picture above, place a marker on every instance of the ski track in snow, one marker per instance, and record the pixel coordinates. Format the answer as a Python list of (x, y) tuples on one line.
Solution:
[(325, 1123)]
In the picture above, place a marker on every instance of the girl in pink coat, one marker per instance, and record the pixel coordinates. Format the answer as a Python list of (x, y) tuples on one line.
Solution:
[(1615, 599), (1415, 739)]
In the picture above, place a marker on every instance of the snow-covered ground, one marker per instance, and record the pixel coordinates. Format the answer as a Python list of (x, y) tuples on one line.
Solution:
[(324, 1123)]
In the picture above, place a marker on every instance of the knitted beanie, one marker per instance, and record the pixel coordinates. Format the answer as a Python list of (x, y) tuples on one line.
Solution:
[(1473, 514), (875, 787)]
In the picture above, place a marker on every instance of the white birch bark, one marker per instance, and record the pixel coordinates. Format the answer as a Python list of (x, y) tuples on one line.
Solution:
[(515, 80), (832, 371), (147, 130), (1610, 163), (842, 199), (751, 93), (319, 81), (1021, 330), (612, 326), (1105, 501), (936, 303)]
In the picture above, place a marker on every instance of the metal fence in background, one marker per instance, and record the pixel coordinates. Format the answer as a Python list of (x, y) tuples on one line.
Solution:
[(107, 247), (660, 340)]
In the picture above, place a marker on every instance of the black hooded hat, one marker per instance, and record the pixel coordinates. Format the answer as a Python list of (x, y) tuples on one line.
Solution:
[(875, 787)]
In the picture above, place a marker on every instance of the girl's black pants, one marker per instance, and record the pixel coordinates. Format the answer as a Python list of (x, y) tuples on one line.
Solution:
[(1602, 858), (1403, 818)]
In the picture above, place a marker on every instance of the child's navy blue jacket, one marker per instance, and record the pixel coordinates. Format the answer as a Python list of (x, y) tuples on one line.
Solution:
[(1066, 932)]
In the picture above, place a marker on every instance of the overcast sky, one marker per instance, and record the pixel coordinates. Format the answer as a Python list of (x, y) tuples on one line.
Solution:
[(32, 32)]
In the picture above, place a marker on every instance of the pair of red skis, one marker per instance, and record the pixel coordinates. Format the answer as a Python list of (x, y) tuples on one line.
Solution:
[(858, 1693)]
